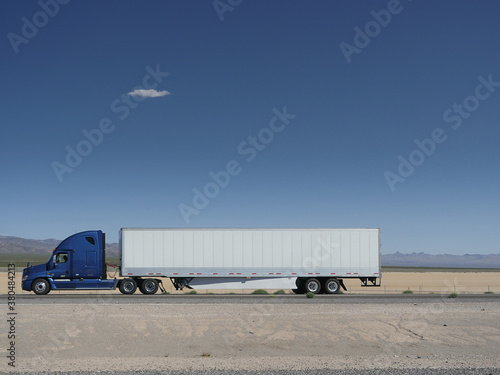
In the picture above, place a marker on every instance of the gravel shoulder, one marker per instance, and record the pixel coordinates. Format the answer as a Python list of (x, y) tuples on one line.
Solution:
[(257, 336)]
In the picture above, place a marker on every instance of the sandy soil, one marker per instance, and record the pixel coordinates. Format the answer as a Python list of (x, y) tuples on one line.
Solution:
[(392, 282), (447, 333)]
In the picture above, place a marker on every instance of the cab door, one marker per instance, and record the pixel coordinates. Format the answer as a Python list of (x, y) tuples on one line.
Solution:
[(88, 247), (61, 273)]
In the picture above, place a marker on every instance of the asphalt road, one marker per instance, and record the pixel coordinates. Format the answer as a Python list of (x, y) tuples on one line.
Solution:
[(75, 299)]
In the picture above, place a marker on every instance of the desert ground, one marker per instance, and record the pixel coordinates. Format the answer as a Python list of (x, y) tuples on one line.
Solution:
[(265, 333), (258, 336), (392, 282)]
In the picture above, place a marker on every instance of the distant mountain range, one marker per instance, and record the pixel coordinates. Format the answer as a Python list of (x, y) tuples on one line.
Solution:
[(441, 260), (10, 245)]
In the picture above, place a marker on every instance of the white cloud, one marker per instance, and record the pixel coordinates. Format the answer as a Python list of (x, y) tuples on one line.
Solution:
[(148, 93)]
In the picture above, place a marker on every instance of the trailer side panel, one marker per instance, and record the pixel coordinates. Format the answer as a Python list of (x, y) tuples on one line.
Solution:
[(250, 252)]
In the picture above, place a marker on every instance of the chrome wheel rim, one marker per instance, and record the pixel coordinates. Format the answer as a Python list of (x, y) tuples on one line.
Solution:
[(40, 286)]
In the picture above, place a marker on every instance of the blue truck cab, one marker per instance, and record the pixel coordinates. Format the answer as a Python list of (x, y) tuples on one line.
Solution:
[(78, 262)]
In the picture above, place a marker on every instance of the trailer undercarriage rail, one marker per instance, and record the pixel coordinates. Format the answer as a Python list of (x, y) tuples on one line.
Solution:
[(370, 281)]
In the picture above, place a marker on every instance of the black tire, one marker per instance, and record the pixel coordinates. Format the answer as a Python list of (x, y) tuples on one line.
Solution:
[(40, 287), (128, 286), (331, 286), (148, 286), (298, 282), (312, 285)]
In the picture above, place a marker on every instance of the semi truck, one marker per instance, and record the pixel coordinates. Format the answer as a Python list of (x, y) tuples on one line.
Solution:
[(315, 260)]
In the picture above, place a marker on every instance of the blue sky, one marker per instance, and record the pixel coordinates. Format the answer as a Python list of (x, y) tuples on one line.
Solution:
[(311, 109)]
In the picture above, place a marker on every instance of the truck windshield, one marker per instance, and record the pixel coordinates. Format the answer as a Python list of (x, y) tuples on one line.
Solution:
[(50, 262)]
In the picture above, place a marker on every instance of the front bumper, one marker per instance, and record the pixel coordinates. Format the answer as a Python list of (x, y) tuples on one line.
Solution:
[(26, 284)]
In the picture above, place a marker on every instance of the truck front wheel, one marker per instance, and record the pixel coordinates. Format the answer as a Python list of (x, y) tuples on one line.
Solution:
[(40, 286), (128, 286), (149, 286)]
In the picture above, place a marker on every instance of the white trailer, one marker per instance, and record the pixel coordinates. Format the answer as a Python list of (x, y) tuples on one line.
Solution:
[(316, 260)]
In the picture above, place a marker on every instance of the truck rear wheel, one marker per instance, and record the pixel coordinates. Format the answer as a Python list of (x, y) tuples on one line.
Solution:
[(149, 286), (331, 286), (40, 286), (128, 286), (312, 285)]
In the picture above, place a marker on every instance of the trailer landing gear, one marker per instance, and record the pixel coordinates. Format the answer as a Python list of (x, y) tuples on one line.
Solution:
[(181, 282)]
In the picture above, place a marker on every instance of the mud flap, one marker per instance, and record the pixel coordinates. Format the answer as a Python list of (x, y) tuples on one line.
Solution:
[(160, 285), (341, 282)]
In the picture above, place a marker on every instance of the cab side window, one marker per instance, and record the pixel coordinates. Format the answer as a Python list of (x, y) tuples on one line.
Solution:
[(61, 258)]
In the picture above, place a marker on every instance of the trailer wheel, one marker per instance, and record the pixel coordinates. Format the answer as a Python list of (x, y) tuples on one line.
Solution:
[(40, 286), (128, 286), (312, 285), (149, 286), (331, 286)]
